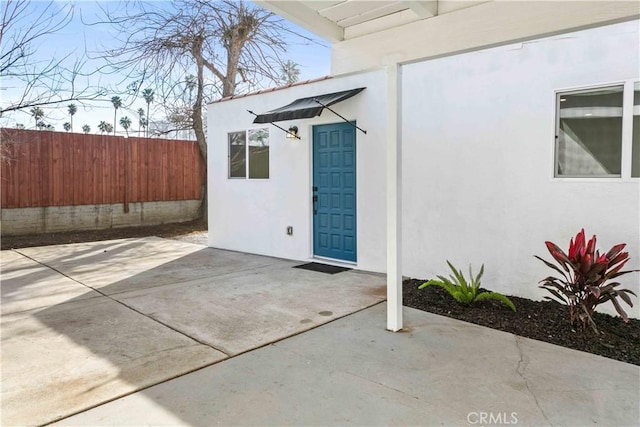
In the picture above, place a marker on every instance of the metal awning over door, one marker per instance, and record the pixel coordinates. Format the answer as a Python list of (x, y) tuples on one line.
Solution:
[(305, 108)]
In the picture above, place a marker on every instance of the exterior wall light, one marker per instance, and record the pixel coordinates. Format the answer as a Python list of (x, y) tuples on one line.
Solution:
[(292, 133)]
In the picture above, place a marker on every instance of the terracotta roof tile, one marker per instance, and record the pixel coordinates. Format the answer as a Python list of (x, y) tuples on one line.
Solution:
[(273, 89)]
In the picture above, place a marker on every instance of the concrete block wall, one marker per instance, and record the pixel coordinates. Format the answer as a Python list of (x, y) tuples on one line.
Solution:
[(50, 219)]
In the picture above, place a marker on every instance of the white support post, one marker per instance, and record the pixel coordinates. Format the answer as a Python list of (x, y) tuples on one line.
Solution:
[(394, 198)]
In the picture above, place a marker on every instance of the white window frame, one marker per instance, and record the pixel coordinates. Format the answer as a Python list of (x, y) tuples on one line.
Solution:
[(229, 155), (630, 115), (246, 163), (627, 132)]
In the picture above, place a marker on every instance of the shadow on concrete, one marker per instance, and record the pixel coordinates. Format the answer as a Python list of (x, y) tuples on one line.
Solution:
[(145, 311)]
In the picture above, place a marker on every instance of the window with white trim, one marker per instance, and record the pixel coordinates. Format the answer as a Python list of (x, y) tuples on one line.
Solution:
[(589, 133), (249, 154), (598, 132)]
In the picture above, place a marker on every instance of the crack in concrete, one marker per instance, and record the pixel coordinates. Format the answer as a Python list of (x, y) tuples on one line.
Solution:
[(522, 365), (404, 393), (310, 361)]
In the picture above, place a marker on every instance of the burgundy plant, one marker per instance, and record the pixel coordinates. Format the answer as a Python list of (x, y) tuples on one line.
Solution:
[(585, 279)]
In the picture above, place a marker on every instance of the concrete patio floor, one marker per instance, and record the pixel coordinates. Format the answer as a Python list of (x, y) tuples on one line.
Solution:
[(171, 333), (86, 323), (352, 372)]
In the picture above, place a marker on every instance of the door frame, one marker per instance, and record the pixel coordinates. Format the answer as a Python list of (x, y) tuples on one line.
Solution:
[(311, 203)]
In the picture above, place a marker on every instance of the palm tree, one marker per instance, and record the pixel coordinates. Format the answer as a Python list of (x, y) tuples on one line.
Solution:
[(117, 103), (109, 128), (141, 120), (103, 126), (290, 72), (37, 114), (147, 94), (86, 128), (66, 126), (72, 111), (125, 122), (144, 123), (190, 83)]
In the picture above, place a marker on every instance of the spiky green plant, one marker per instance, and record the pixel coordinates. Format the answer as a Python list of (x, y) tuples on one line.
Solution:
[(466, 292)]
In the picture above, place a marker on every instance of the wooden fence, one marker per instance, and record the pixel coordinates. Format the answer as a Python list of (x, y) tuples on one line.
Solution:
[(42, 168)]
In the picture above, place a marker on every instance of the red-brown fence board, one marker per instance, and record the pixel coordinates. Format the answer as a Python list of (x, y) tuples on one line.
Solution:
[(35, 177), (103, 167), (8, 174), (134, 182), (155, 166), (121, 166), (46, 182), (97, 177), (114, 170), (173, 171), (77, 170), (180, 172), (42, 168), (23, 175), (167, 173), (3, 177), (88, 175), (56, 171), (162, 185), (144, 169)]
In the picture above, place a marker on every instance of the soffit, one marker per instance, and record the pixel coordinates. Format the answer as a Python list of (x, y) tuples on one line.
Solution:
[(338, 20)]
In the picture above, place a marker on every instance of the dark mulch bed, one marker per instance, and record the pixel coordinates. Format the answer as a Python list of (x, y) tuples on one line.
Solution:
[(162, 230), (541, 320)]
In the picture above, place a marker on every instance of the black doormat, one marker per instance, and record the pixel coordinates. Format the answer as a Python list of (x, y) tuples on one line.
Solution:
[(322, 268)]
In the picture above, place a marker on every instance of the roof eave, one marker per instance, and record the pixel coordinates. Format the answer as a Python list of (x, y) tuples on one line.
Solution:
[(305, 18)]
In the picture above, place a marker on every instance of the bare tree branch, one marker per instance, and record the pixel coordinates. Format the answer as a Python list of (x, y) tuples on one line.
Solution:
[(47, 82), (181, 48)]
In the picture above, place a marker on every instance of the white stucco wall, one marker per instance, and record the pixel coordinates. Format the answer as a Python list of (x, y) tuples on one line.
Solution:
[(478, 143), (252, 215), (478, 138)]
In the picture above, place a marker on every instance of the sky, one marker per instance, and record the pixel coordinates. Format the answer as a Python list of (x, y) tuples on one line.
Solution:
[(77, 38)]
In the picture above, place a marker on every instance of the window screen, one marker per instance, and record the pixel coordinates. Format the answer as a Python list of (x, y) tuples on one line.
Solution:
[(589, 133)]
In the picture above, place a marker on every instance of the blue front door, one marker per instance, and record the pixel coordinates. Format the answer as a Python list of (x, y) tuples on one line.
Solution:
[(334, 191)]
